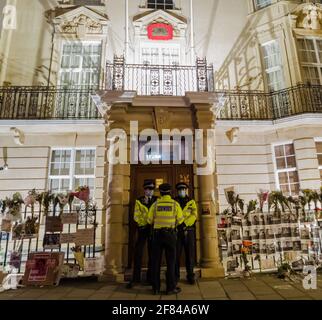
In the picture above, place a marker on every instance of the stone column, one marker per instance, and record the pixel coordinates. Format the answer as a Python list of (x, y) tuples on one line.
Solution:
[(210, 259), (114, 208)]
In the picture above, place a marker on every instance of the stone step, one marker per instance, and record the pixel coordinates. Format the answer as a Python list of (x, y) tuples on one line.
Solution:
[(128, 273)]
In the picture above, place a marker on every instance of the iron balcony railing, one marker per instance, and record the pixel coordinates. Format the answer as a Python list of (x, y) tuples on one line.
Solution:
[(77, 103), (41, 102), (257, 105), (165, 80)]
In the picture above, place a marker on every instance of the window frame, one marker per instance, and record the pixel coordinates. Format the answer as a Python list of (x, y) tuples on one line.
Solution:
[(79, 70), (258, 7), (72, 176), (156, 4), (317, 65), (318, 140), (278, 171), (271, 70)]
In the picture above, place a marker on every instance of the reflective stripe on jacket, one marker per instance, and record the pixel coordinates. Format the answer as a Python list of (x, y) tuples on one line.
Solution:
[(165, 213), (190, 213)]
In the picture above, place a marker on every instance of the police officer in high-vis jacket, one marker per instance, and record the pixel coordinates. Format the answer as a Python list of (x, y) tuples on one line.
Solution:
[(142, 206), (186, 232), (164, 215)]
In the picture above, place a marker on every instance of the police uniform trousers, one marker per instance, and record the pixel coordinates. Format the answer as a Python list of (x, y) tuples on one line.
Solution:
[(144, 236), (186, 240), (164, 239)]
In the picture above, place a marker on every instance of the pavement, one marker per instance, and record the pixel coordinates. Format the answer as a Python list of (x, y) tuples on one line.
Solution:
[(259, 287)]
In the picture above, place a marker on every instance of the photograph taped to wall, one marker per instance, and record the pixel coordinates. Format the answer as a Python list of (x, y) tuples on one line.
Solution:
[(295, 231), (297, 245), (268, 263), (286, 232), (236, 248), (305, 232), (247, 233), (269, 232), (51, 241), (262, 247), (246, 221), (6, 225), (269, 219), (255, 232), (270, 247), (255, 219), (232, 265), (235, 234), (236, 221), (255, 247), (287, 245), (262, 234)]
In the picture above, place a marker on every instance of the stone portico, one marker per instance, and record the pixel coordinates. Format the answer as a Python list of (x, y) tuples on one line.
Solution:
[(193, 111)]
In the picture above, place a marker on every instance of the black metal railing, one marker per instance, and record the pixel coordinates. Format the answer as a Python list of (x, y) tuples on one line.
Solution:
[(166, 80), (258, 105), (41, 102)]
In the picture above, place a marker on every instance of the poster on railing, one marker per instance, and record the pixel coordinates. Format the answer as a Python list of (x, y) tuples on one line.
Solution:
[(85, 237), (94, 266), (69, 218), (51, 241), (272, 241), (43, 268), (67, 238), (53, 224)]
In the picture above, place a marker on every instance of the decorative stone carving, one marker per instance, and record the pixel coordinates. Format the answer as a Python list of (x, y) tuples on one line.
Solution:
[(161, 118), (308, 16), (90, 25)]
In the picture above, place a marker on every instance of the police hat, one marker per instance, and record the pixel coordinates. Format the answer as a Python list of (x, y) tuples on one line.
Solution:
[(165, 187), (181, 185), (149, 184)]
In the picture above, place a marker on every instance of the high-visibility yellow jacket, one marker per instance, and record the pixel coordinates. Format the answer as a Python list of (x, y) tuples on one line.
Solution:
[(190, 213), (165, 213), (141, 211)]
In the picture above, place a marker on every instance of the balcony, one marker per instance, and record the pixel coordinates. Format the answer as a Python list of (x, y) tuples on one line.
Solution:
[(258, 105), (163, 80), (44, 103)]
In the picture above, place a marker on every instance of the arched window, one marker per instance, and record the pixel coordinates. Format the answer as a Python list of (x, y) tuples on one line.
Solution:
[(160, 4)]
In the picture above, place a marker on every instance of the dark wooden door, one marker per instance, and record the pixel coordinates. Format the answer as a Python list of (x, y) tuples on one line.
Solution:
[(161, 174)]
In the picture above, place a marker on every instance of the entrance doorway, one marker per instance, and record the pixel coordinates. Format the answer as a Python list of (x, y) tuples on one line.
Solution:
[(161, 174)]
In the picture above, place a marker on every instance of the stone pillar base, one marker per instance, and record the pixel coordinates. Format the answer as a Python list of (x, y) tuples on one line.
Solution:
[(214, 272), (112, 277)]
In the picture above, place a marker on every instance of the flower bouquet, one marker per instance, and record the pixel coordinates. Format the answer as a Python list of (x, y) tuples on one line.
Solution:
[(13, 207), (82, 193), (79, 256)]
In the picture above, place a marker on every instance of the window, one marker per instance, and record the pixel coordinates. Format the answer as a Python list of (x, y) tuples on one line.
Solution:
[(160, 4), (71, 168), (319, 155), (259, 4), (80, 64), (160, 56), (273, 65), (310, 55), (286, 171)]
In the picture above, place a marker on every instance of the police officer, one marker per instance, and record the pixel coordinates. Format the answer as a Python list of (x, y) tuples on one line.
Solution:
[(164, 215), (141, 210), (186, 232)]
